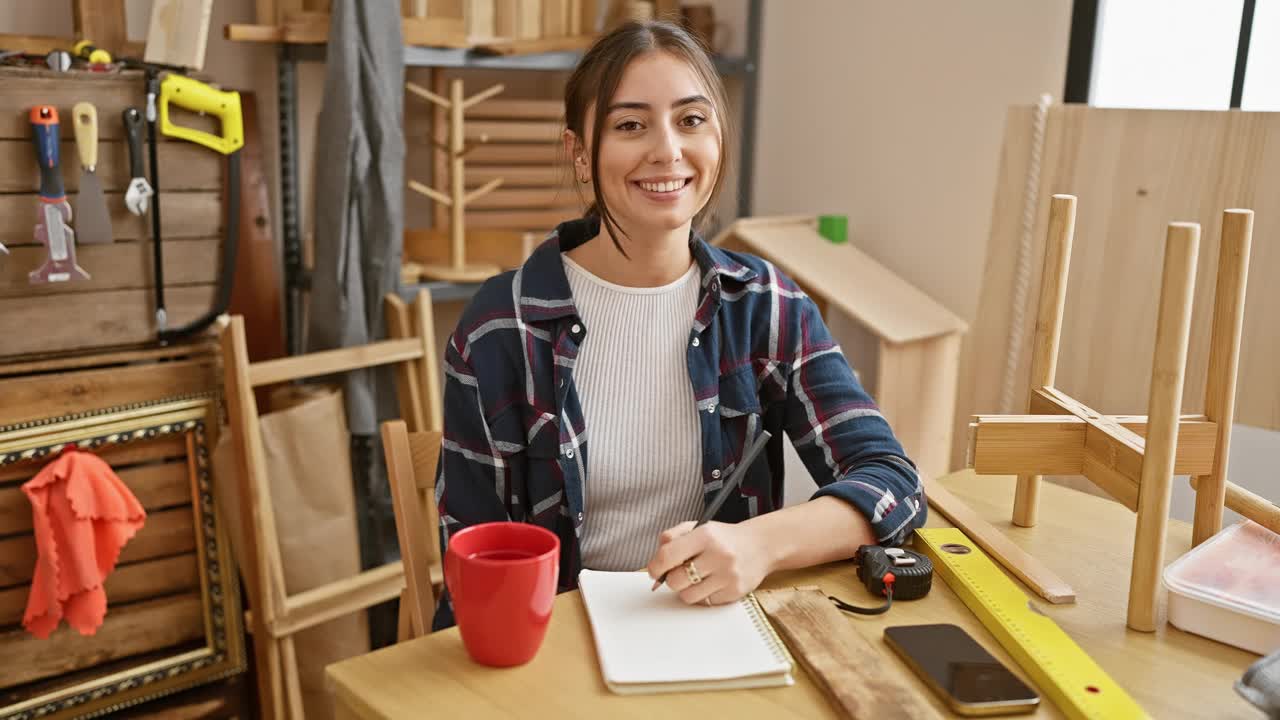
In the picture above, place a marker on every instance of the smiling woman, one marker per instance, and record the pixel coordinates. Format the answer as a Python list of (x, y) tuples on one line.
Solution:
[(675, 353)]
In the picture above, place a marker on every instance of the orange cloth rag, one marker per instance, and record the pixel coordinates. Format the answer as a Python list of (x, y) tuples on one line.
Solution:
[(83, 514)]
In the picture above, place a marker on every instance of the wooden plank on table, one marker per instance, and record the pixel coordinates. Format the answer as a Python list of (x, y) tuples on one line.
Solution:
[(102, 22), (127, 630), (115, 266), (178, 32), (498, 131), (116, 317), (851, 671), (516, 154), (1035, 574), (516, 176), (183, 166), (174, 446), (167, 532), (185, 215), (157, 486), (127, 583)]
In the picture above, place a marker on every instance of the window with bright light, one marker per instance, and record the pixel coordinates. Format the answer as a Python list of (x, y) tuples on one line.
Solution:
[(1177, 54)]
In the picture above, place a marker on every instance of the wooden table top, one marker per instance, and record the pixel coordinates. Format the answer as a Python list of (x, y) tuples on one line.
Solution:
[(1088, 540)]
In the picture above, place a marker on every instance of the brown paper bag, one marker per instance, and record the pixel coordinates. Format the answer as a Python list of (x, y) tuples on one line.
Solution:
[(307, 451)]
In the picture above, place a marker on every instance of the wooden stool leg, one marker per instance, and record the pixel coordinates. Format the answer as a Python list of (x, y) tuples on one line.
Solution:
[(1048, 332), (1168, 369), (1224, 361)]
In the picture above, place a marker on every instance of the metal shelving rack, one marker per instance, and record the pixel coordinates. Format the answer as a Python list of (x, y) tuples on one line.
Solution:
[(297, 280)]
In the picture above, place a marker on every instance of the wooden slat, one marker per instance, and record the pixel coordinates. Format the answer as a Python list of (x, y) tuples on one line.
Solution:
[(313, 28), (128, 583), (523, 199), (536, 45), (516, 176), (1043, 581), (504, 109), (104, 317), (511, 131), (174, 446), (505, 248), (35, 397), (121, 265), (534, 220), (168, 532), (156, 486), (516, 154), (334, 361), (184, 215), (196, 346), (102, 22), (183, 166), (128, 630), (851, 671), (178, 32), (1054, 445), (341, 597)]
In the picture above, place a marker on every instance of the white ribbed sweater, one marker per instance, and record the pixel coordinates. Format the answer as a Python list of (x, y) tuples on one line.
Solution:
[(645, 462)]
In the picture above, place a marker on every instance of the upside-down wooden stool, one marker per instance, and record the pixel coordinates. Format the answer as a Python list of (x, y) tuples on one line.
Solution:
[(1134, 458)]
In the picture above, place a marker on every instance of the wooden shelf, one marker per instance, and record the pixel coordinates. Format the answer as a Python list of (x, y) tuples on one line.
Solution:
[(313, 28)]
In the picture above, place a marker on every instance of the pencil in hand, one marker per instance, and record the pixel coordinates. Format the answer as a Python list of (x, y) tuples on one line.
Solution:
[(738, 473)]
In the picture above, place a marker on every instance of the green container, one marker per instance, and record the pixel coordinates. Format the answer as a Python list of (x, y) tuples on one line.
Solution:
[(834, 227)]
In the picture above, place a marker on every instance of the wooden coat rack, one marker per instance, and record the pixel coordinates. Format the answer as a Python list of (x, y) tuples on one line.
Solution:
[(1134, 458), (458, 269)]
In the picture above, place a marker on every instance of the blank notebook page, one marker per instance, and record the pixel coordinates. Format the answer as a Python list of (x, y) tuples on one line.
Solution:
[(654, 637)]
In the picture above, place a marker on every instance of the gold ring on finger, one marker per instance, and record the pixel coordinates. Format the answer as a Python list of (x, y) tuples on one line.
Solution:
[(692, 571)]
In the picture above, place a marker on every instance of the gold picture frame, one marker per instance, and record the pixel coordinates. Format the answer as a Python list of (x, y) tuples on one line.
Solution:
[(170, 426)]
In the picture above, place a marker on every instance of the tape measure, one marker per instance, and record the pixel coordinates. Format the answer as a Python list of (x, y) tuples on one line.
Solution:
[(1062, 670)]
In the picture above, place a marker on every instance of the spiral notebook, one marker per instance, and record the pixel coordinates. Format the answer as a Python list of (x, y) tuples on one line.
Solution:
[(651, 642)]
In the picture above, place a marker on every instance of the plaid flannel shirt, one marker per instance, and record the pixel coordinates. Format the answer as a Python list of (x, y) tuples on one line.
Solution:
[(759, 357)]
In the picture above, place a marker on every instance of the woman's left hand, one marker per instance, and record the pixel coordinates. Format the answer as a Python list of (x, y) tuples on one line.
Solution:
[(730, 559)]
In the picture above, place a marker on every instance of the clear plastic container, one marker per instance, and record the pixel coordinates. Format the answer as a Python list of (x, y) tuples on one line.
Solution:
[(1228, 588)]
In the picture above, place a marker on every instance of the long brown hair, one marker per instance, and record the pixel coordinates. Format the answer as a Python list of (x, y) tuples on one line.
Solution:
[(595, 80)]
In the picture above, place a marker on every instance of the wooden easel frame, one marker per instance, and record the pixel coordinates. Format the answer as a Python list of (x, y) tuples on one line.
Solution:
[(1134, 458), (277, 615)]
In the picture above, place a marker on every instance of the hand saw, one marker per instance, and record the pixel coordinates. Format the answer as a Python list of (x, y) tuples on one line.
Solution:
[(224, 105)]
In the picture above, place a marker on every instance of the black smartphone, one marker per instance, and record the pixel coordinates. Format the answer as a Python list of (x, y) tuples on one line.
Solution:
[(962, 672)]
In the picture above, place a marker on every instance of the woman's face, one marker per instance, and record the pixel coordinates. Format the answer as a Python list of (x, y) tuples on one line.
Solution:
[(660, 146)]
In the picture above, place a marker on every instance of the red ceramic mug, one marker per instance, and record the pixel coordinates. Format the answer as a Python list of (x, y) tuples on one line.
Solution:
[(502, 579)]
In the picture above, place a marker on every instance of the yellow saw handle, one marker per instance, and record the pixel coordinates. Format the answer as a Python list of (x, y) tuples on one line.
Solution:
[(198, 97)]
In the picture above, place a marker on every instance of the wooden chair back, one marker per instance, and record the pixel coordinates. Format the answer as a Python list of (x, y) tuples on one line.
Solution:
[(412, 459)]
